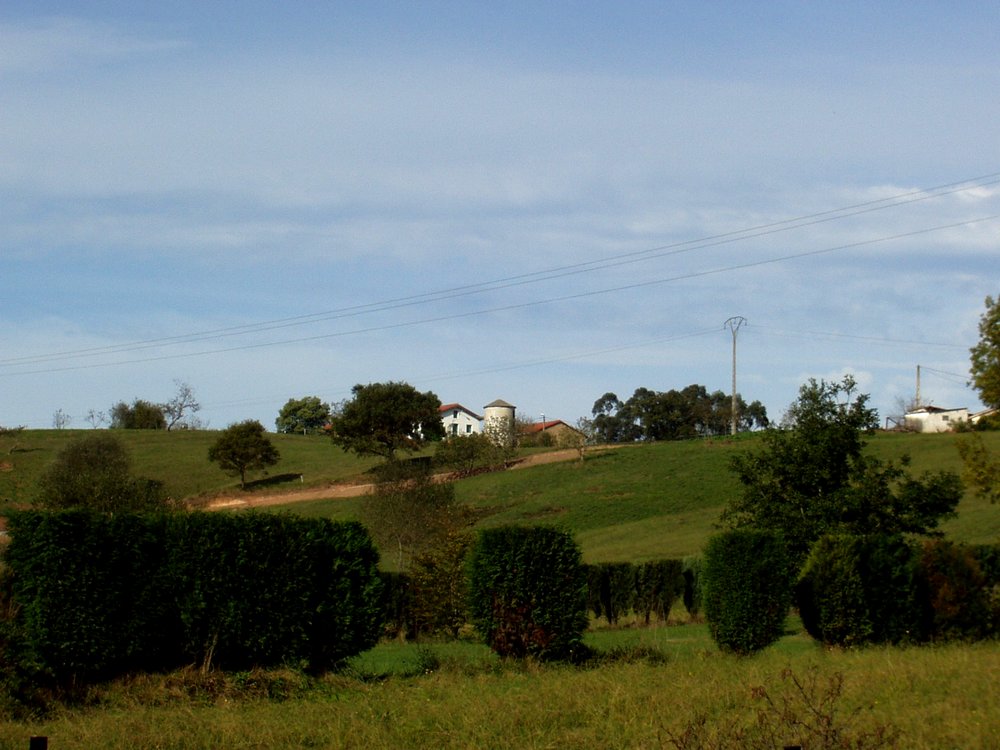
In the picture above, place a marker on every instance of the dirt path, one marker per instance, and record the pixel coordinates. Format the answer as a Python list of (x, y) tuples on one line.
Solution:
[(340, 491)]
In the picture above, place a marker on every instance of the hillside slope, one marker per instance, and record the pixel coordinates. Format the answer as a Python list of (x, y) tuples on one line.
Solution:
[(636, 502)]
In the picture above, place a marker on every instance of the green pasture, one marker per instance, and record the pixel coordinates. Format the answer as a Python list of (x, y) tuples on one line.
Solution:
[(645, 689), (630, 503), (644, 502), (180, 460)]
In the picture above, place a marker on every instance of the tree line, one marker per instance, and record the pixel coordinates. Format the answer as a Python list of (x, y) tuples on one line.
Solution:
[(691, 412)]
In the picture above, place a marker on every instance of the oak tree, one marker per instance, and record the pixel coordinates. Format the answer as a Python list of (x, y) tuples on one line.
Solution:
[(243, 447), (384, 418)]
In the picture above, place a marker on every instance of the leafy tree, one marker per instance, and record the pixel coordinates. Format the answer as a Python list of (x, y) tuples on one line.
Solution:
[(94, 472), (982, 468), (613, 422), (671, 415), (418, 522), (141, 415), (986, 355), (466, 454), (180, 410), (306, 415), (243, 447), (811, 477), (384, 418)]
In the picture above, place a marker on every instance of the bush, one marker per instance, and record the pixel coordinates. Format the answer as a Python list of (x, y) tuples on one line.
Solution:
[(528, 592), (692, 569), (957, 590), (747, 589), (95, 472), (658, 584), (855, 590), (96, 596)]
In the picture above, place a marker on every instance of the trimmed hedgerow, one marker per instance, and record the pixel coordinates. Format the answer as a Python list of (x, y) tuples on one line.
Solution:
[(658, 585), (83, 585), (100, 595), (861, 589), (692, 569), (610, 589), (528, 592), (747, 589)]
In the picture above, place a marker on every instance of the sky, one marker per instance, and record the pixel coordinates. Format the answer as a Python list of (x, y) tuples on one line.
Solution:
[(538, 202)]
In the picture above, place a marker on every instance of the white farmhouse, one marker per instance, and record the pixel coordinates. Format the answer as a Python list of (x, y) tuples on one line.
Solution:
[(935, 419), (458, 420)]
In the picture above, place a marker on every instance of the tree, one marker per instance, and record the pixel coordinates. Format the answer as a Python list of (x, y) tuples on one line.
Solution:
[(418, 522), (811, 477), (243, 447), (141, 415), (982, 468), (986, 355), (61, 420), (384, 418), (95, 472), (671, 415), (180, 410), (306, 415)]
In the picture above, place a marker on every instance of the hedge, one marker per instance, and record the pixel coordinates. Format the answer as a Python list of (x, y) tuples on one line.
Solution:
[(861, 589), (528, 592), (99, 595), (747, 589)]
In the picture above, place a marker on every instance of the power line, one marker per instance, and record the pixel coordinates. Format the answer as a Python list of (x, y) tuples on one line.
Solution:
[(549, 274), (857, 337), (524, 305)]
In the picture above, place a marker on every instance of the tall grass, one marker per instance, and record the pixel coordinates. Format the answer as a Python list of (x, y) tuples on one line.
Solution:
[(935, 697)]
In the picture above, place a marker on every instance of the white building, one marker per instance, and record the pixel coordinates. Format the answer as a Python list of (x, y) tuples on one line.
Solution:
[(458, 420), (499, 421), (935, 419)]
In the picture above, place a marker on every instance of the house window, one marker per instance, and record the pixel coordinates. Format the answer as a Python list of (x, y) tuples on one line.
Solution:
[(468, 429), (454, 429), (454, 414)]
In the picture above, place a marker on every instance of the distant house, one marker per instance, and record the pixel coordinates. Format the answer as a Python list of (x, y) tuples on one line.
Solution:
[(458, 420), (934, 419), (554, 427), (984, 414)]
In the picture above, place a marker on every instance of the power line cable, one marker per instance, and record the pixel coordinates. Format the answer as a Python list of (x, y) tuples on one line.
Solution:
[(529, 304), (530, 277)]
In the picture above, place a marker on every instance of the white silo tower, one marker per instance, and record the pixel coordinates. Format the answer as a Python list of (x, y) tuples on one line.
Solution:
[(498, 421)]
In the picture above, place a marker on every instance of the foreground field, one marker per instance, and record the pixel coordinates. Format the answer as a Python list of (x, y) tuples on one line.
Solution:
[(664, 682)]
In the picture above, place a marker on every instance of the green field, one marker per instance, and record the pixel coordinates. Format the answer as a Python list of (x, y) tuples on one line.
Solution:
[(633, 503), (651, 685)]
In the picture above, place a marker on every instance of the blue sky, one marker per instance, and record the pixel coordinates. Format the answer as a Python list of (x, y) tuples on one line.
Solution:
[(534, 202)]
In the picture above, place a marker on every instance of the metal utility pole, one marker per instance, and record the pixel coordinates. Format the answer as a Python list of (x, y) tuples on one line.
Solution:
[(734, 324), (917, 404)]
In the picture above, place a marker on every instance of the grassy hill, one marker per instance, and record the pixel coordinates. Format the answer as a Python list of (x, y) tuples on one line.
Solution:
[(179, 459), (635, 502)]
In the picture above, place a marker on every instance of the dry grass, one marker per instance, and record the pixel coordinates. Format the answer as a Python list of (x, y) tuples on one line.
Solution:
[(935, 697)]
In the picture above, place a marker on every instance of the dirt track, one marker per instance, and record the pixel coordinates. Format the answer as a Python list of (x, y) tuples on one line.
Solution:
[(334, 491)]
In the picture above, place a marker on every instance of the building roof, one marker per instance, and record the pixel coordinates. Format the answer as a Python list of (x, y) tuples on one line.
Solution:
[(451, 407), (933, 410), (542, 426), (501, 403)]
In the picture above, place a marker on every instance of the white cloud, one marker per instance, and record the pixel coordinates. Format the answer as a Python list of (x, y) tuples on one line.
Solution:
[(64, 42)]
